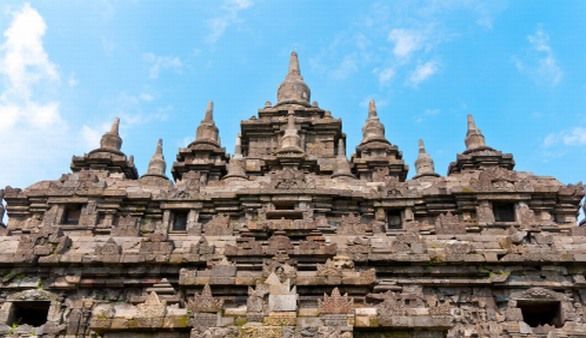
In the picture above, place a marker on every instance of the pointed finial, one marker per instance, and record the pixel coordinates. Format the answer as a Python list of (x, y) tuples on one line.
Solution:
[(341, 148), (209, 116), (424, 165), (235, 168), (342, 168), (474, 137), (294, 64), (372, 109), (238, 147), (373, 128), (421, 146), (111, 140), (159, 149), (115, 126), (207, 130), (471, 123), (157, 165)]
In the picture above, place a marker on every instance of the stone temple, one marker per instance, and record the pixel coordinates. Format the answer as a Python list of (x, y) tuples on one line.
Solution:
[(289, 238)]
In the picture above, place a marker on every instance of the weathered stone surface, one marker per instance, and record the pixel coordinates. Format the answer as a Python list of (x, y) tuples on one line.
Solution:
[(279, 228)]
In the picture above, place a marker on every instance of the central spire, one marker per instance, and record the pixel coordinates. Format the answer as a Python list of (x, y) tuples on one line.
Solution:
[(293, 89)]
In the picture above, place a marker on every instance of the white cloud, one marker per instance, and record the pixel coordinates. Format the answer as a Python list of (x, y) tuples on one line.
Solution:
[(91, 135), (159, 63), (386, 75), (571, 137), (136, 110), (405, 41), (24, 61), (229, 15), (31, 129), (25, 66), (539, 61), (422, 72)]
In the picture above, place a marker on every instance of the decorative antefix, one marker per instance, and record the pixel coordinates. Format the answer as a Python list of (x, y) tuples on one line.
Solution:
[(205, 302), (298, 233), (336, 303), (152, 307)]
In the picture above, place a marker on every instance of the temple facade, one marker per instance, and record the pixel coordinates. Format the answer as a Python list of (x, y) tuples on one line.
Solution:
[(288, 237)]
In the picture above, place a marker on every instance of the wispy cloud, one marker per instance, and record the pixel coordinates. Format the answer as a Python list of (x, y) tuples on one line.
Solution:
[(405, 41), (386, 75), (427, 114), (422, 72), (539, 60), (158, 63), (571, 137), (136, 110), (397, 40), (229, 15)]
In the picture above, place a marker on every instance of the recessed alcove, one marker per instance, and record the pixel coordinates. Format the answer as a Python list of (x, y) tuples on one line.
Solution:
[(179, 221), (33, 313), (536, 313), (71, 214), (503, 211)]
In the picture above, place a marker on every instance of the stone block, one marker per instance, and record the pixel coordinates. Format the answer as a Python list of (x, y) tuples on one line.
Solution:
[(281, 319), (205, 320), (365, 311), (365, 321), (257, 331), (308, 312), (235, 311), (282, 303)]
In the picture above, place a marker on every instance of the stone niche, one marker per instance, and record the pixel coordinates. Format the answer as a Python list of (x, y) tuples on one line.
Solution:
[(34, 308), (540, 308)]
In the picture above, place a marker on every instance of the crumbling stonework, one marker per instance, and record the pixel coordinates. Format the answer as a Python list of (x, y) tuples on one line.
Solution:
[(288, 238)]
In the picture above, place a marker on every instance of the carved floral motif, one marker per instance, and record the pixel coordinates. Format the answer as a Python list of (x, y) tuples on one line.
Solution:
[(205, 302), (336, 303)]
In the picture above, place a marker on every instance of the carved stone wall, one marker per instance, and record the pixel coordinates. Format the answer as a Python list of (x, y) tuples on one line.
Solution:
[(302, 242)]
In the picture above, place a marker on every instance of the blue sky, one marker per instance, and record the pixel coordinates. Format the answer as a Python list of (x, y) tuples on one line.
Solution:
[(67, 68)]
